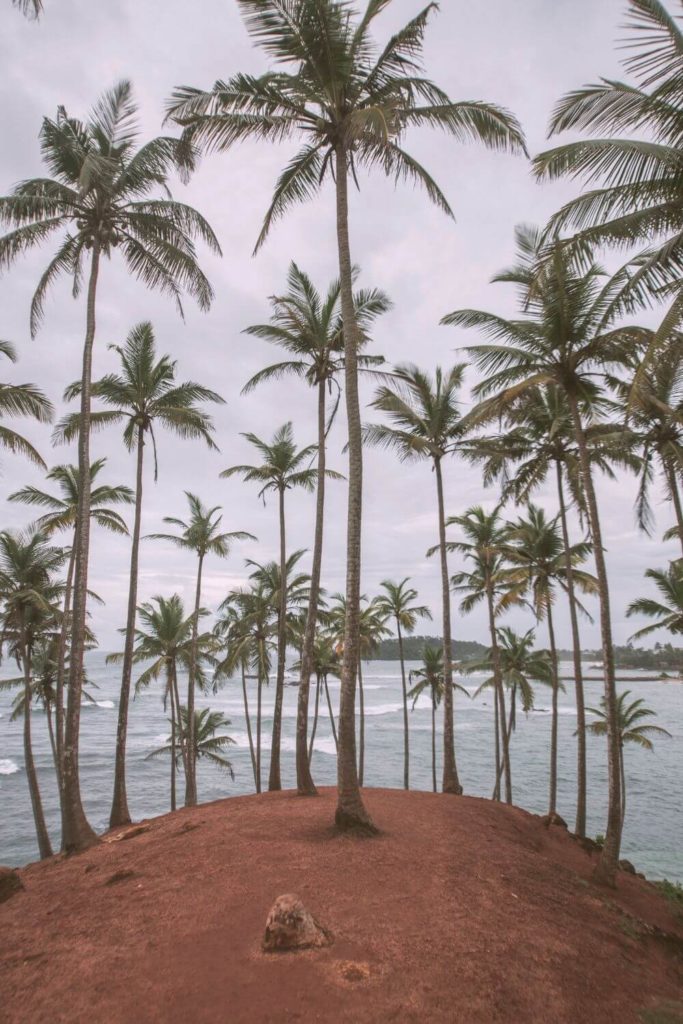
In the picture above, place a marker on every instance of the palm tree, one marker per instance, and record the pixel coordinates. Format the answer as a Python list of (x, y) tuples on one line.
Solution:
[(283, 468), (205, 744), (429, 677), (639, 201), (325, 663), (21, 400), (31, 8), (538, 562), (201, 535), (668, 611), (145, 392), (62, 514), (564, 339), (309, 327), (397, 602), (352, 104), (101, 199), (29, 598), (630, 731), (426, 424)]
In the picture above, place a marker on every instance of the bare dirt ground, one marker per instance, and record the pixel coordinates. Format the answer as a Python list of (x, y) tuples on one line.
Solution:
[(460, 911)]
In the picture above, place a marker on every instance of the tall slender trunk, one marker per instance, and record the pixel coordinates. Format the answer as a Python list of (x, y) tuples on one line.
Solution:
[(361, 708), (259, 703), (61, 663), (304, 780), (191, 768), (350, 812), (451, 783), (77, 833), (433, 742), (609, 859), (51, 735), (311, 745), (406, 740), (622, 776), (120, 814), (331, 713), (676, 500), (247, 719), (169, 685), (44, 845), (496, 725), (182, 739), (580, 827), (274, 782), (552, 801), (500, 697)]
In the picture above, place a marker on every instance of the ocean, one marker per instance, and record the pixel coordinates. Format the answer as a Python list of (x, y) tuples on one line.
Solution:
[(653, 834)]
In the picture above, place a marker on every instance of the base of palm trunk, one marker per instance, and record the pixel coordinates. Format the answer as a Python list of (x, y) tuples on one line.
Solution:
[(118, 819), (306, 789), (452, 788), (605, 873), (81, 842), (356, 820)]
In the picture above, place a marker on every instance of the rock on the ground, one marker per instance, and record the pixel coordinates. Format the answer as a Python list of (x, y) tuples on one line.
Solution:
[(553, 819), (291, 926), (10, 883)]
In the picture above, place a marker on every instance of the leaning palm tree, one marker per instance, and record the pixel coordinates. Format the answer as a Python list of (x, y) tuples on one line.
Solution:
[(283, 467), (426, 425), (669, 611), (565, 338), (101, 199), (200, 534), (205, 744), (62, 514), (29, 603), (309, 327), (352, 104), (21, 400), (397, 603), (630, 731), (142, 394)]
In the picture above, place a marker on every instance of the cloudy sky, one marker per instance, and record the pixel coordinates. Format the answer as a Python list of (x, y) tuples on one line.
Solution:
[(523, 55)]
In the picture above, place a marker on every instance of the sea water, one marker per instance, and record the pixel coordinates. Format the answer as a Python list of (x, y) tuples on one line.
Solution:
[(653, 834)]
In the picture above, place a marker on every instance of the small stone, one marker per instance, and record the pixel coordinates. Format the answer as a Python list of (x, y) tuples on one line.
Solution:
[(352, 971), (119, 876), (10, 883), (553, 819), (625, 865), (290, 926)]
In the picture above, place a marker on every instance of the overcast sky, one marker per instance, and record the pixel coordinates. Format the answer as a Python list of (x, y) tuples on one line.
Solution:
[(523, 55)]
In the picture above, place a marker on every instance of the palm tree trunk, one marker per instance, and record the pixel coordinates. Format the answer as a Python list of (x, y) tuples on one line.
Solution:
[(433, 743), (500, 697), (120, 814), (274, 782), (331, 713), (361, 708), (580, 827), (51, 734), (609, 859), (311, 745), (61, 663), (191, 768), (173, 739), (259, 698), (304, 780), (552, 802), (406, 740), (622, 774), (77, 833), (247, 719), (44, 845), (496, 726), (179, 726), (350, 812), (676, 500), (451, 783)]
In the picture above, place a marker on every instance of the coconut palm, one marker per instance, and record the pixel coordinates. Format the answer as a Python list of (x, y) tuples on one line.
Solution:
[(283, 468), (631, 730), (62, 514), (31, 8), (21, 400), (309, 327), (143, 393), (201, 535), (563, 339), (426, 424), (669, 611), (397, 603), (538, 562), (325, 663), (29, 603), (205, 744), (520, 667), (352, 104), (100, 199), (430, 677)]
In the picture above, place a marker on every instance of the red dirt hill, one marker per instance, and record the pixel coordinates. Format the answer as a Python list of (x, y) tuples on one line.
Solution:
[(461, 911)]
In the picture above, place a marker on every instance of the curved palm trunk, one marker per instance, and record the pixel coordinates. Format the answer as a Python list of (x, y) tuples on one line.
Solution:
[(182, 740), (504, 765), (676, 500), (274, 782), (120, 814), (552, 801), (406, 739), (247, 719), (580, 827), (44, 845), (304, 780), (350, 812), (433, 742), (77, 833), (609, 859), (61, 664), (169, 685), (311, 746), (331, 713), (191, 767), (361, 708), (451, 783)]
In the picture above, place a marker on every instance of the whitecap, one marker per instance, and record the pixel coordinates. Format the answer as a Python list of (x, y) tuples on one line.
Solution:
[(8, 767)]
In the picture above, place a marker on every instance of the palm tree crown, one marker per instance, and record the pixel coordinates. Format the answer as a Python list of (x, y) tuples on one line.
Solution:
[(21, 400), (669, 610)]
